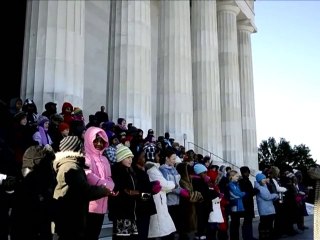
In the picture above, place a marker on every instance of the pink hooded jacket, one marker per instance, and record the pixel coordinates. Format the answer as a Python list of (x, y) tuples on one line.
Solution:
[(99, 172)]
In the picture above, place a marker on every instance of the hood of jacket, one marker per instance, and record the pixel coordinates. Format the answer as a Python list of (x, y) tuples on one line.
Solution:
[(12, 104), (68, 157), (65, 105), (149, 165), (90, 135), (182, 169)]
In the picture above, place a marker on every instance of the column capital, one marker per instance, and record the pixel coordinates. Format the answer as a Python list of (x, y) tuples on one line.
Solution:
[(246, 25), (228, 6)]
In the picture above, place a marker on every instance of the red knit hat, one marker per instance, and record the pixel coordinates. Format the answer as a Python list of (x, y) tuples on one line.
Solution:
[(63, 126)]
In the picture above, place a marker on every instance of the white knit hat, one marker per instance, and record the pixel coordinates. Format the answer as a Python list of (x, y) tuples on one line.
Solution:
[(123, 152)]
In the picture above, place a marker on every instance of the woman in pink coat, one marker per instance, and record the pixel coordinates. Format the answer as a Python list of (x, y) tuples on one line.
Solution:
[(99, 173)]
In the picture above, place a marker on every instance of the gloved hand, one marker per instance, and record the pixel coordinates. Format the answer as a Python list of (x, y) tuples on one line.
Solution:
[(48, 147), (206, 179), (184, 193), (9, 183), (156, 187)]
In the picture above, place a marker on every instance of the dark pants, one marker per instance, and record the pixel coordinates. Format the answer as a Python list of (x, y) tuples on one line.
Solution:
[(235, 225), (247, 228), (175, 214), (212, 231), (94, 224), (202, 220), (266, 227), (279, 220), (143, 227), (4, 216)]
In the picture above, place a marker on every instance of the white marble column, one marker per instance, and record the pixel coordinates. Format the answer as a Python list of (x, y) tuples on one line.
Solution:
[(205, 77), (249, 138), (129, 78), (174, 109), (54, 52), (230, 84), (96, 55)]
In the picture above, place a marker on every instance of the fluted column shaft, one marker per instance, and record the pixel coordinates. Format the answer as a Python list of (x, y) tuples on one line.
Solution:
[(174, 109), (230, 85), (205, 76), (54, 52), (129, 77), (248, 118)]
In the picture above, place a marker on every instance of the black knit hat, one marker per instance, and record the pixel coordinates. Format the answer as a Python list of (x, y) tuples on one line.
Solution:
[(244, 169), (70, 143)]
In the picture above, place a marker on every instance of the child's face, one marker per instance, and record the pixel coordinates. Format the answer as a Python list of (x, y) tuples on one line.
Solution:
[(157, 158), (171, 161), (99, 143), (68, 110), (19, 104), (142, 159), (127, 162), (23, 121), (235, 177), (115, 141), (46, 125), (123, 123), (127, 144), (65, 132)]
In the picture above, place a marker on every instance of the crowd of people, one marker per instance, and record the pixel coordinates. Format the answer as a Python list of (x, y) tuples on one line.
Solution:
[(58, 170)]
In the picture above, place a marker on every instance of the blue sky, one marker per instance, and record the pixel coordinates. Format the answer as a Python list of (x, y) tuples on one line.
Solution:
[(286, 68)]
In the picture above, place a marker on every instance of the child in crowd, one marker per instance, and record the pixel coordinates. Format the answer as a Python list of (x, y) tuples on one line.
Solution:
[(99, 173), (170, 173), (265, 207), (146, 206), (42, 136), (236, 204), (73, 192), (189, 215), (122, 208), (161, 223)]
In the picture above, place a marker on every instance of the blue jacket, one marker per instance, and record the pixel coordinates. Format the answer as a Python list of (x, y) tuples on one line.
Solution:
[(171, 174), (236, 197), (265, 200)]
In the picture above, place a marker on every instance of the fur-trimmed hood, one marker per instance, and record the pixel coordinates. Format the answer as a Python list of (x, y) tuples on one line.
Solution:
[(150, 164), (68, 157)]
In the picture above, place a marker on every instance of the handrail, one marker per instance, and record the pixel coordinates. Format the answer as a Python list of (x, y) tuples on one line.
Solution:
[(211, 153)]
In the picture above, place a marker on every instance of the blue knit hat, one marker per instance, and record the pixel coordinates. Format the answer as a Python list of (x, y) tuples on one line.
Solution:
[(199, 168), (260, 177)]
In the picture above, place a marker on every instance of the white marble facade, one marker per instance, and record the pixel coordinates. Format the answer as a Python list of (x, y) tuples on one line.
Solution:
[(179, 66)]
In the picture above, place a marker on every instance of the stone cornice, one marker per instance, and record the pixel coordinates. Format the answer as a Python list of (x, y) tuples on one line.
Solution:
[(229, 6), (246, 25)]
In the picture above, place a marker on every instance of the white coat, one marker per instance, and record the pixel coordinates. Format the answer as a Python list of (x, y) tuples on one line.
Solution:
[(161, 223)]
